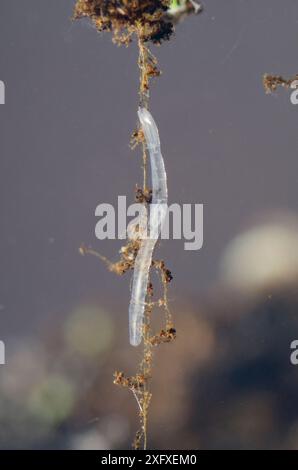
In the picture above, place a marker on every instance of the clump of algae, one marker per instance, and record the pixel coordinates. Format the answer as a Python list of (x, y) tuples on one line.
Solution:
[(124, 18)]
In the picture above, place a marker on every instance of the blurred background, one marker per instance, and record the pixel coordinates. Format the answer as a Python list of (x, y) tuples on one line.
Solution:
[(71, 101)]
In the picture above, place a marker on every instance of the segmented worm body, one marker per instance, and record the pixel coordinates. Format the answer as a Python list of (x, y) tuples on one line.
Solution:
[(158, 211)]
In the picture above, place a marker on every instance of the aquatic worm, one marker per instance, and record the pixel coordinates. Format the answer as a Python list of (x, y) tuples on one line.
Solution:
[(158, 211)]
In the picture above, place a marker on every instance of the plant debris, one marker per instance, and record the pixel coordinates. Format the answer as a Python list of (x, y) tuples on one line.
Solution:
[(272, 82), (124, 18)]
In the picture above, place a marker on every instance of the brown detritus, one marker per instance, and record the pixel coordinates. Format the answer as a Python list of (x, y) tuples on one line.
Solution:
[(143, 195), (165, 336), (137, 443), (134, 383), (124, 18), (148, 67), (137, 138), (272, 82), (150, 289), (166, 273), (128, 254), (162, 32), (152, 69), (166, 278)]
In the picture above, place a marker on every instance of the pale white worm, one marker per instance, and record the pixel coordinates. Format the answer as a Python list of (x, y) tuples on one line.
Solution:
[(158, 211)]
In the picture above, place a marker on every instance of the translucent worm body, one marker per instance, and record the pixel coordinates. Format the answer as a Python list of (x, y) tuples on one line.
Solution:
[(158, 211)]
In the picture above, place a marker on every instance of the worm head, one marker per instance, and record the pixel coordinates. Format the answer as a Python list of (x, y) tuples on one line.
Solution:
[(149, 128)]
